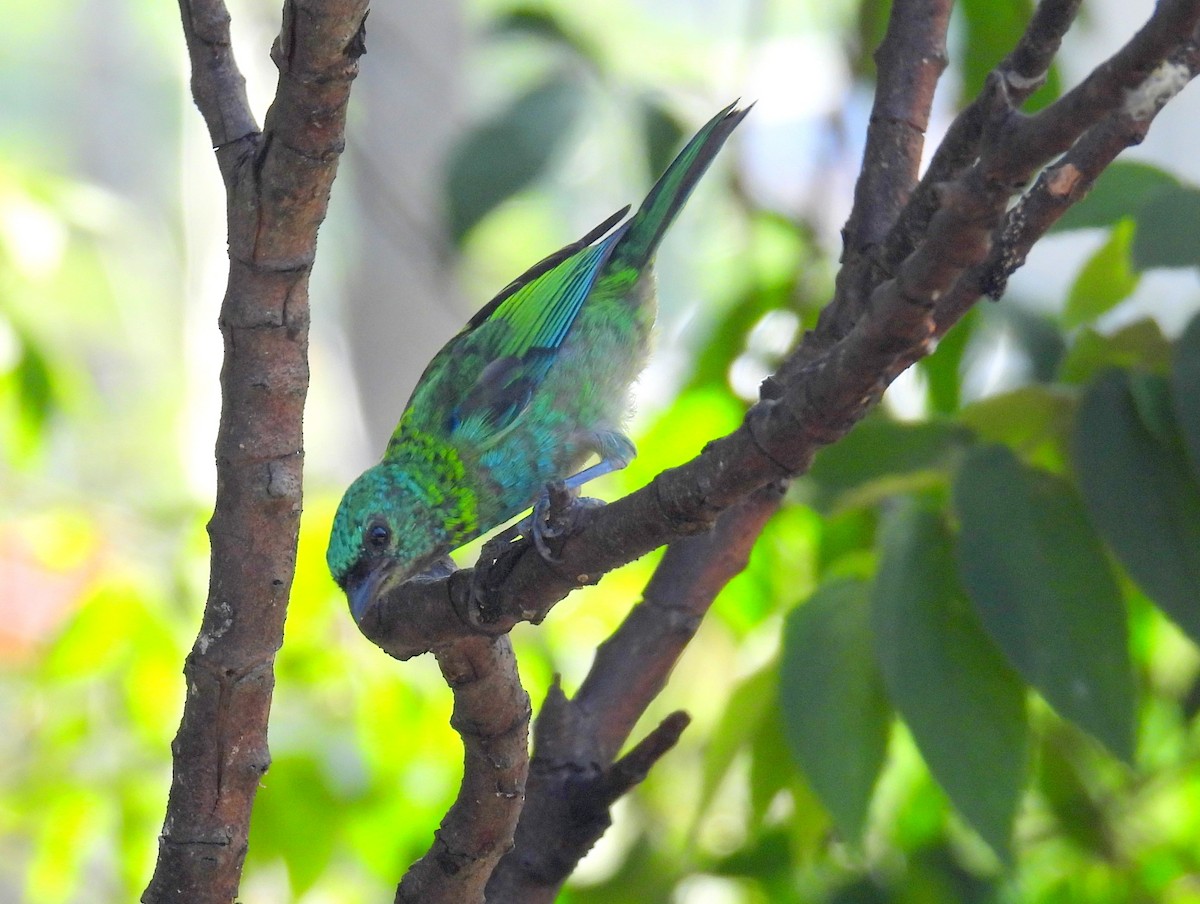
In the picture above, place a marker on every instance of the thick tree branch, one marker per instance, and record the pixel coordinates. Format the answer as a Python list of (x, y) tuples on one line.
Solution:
[(633, 665), (491, 713), (578, 739), (278, 186), (573, 798), (1053, 129)]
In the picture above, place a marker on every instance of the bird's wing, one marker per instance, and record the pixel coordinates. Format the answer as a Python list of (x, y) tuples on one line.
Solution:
[(518, 334)]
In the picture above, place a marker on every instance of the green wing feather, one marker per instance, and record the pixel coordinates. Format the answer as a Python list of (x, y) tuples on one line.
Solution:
[(520, 332), (539, 314)]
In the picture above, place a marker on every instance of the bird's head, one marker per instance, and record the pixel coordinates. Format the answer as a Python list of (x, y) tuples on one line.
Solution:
[(384, 532)]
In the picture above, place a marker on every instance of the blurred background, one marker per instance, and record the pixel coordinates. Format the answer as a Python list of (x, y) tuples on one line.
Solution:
[(483, 135)]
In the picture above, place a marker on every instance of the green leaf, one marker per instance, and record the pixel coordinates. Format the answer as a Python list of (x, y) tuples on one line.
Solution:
[(772, 770), (1036, 337), (1024, 417), (1185, 392), (1106, 279), (740, 720), (1118, 193), (1042, 585), (1152, 399), (1077, 811), (662, 132), (504, 154), (835, 717), (1167, 233), (1141, 344), (866, 463), (544, 25), (1142, 498), (964, 705), (296, 795), (992, 28)]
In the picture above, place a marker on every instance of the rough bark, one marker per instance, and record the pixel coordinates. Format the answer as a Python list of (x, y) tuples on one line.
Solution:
[(491, 713), (277, 182)]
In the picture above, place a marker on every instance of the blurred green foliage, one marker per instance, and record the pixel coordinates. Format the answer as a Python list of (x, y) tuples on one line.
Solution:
[(960, 667)]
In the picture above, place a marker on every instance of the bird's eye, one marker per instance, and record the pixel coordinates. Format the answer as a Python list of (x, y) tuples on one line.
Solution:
[(378, 536)]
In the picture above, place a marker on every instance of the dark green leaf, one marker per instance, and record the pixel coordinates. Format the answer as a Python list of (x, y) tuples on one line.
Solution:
[(831, 701), (1105, 280), (504, 154), (663, 134), (1036, 337), (964, 705), (861, 891), (1118, 193), (769, 855), (942, 876), (1041, 582), (35, 386), (772, 770), (1185, 392), (1152, 399), (1141, 495), (1081, 818), (545, 25), (1167, 230)]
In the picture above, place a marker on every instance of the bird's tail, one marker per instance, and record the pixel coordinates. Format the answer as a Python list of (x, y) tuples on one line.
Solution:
[(671, 191)]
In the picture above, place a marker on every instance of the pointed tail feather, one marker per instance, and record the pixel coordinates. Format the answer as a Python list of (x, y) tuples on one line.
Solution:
[(671, 191)]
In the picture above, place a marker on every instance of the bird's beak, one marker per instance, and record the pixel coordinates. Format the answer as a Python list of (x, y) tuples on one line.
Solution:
[(365, 584)]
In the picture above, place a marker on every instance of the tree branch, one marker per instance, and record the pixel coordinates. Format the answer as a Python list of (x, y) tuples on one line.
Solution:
[(217, 84), (278, 186), (1068, 181), (1023, 71), (578, 739), (491, 713), (909, 61)]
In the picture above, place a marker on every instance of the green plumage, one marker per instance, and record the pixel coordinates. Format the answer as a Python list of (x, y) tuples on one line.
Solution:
[(535, 384)]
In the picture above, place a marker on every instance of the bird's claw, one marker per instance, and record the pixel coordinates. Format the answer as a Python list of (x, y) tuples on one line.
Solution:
[(556, 514)]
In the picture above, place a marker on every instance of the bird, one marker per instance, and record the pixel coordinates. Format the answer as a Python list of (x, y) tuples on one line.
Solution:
[(534, 386)]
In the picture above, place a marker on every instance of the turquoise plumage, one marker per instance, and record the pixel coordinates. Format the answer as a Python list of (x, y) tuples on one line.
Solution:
[(535, 384)]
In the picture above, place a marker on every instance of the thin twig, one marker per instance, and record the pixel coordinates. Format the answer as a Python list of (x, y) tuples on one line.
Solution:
[(909, 62)]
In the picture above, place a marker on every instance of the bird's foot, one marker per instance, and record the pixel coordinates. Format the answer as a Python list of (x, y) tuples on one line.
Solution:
[(556, 514)]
